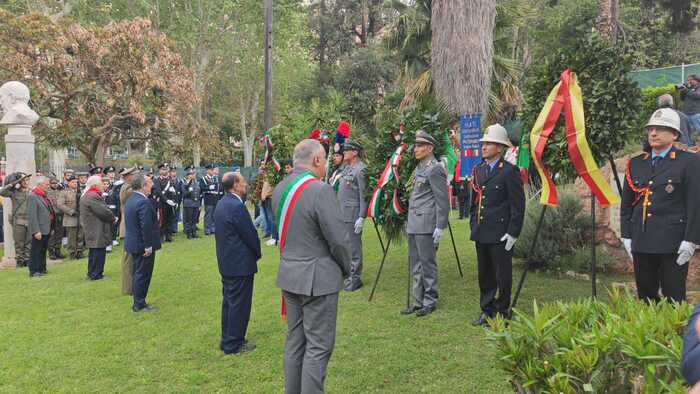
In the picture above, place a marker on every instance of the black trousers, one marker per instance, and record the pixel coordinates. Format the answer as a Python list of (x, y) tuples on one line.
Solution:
[(96, 263), (235, 311), (168, 217), (652, 271), (142, 272), (189, 219), (463, 203), (495, 277), (38, 254)]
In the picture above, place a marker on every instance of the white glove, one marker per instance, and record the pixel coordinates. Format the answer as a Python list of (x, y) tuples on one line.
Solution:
[(437, 235), (685, 252), (510, 241), (628, 245), (358, 225), (170, 202)]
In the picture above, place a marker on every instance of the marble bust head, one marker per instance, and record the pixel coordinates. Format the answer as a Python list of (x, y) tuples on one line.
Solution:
[(14, 101)]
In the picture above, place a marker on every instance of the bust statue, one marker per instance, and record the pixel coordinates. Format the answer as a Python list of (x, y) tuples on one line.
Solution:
[(14, 101)]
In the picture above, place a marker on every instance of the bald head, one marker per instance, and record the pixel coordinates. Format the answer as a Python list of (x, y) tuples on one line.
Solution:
[(309, 154), (234, 182)]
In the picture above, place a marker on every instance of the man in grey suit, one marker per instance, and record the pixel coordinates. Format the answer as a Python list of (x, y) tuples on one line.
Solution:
[(353, 207), (314, 259), (40, 217), (428, 210)]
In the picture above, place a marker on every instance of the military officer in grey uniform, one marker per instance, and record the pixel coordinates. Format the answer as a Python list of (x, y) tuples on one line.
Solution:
[(314, 260), (428, 210), (353, 207)]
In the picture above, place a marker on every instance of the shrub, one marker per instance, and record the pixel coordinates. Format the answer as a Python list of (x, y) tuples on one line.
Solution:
[(625, 346), (564, 229), (579, 260)]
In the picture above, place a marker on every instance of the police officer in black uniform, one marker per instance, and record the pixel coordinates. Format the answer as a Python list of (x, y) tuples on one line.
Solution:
[(497, 212), (178, 199), (660, 212), (211, 191), (112, 200), (168, 195), (191, 201)]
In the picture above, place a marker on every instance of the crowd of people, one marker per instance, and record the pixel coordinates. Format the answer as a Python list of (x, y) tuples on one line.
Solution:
[(316, 218)]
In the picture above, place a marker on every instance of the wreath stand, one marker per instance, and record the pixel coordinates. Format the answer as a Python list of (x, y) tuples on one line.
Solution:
[(385, 252)]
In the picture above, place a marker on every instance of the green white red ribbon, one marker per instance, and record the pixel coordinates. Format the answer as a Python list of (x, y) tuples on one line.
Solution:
[(391, 171), (285, 209)]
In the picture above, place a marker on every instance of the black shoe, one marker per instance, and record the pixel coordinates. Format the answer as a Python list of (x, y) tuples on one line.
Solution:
[(353, 285), (145, 308), (481, 321), (36, 274), (194, 235), (247, 347), (425, 311), (411, 309)]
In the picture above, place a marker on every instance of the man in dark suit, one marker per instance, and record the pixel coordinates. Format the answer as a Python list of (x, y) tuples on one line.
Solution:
[(237, 252), (660, 215), (497, 212), (40, 217), (142, 238)]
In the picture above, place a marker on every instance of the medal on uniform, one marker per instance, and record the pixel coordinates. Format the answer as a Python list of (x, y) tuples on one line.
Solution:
[(669, 188)]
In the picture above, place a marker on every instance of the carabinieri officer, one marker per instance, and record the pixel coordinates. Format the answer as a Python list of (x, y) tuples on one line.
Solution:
[(353, 207), (660, 214), (497, 211)]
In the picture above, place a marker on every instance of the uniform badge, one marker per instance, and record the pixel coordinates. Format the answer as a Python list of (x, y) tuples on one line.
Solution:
[(669, 188)]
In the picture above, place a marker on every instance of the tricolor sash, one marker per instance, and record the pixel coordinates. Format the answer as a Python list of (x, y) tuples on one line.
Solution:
[(285, 208)]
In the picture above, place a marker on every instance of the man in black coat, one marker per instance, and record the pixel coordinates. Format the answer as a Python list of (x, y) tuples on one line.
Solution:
[(237, 252), (660, 214), (142, 238), (497, 211), (210, 189)]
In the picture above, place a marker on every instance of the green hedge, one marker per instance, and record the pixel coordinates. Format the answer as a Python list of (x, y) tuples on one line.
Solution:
[(622, 346)]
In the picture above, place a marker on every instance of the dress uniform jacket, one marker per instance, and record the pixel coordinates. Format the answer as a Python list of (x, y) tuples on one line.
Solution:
[(191, 194), (502, 203), (672, 210), (351, 192), (209, 185), (428, 207), (19, 204)]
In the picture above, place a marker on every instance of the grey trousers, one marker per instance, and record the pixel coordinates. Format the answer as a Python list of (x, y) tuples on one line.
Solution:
[(355, 241), (127, 273), (23, 242), (421, 252), (209, 219), (310, 340)]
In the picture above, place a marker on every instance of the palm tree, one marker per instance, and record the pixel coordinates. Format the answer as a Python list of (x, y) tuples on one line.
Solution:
[(462, 53), (411, 38)]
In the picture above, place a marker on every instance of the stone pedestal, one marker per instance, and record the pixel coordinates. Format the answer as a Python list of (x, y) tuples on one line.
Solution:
[(19, 145)]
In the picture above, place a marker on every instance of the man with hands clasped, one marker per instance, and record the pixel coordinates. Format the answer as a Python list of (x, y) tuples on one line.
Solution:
[(353, 207), (660, 215), (428, 210), (497, 211)]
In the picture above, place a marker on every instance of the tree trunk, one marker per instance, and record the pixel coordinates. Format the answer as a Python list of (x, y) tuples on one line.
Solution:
[(462, 53), (607, 20)]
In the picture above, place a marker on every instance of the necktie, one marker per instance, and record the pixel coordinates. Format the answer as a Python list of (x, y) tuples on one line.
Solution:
[(655, 161)]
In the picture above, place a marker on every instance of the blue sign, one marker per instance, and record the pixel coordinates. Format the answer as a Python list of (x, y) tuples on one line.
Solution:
[(469, 145)]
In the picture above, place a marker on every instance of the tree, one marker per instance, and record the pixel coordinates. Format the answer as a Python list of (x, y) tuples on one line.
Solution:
[(104, 85), (607, 20)]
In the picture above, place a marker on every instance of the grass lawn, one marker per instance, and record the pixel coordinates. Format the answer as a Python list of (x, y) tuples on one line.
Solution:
[(61, 333)]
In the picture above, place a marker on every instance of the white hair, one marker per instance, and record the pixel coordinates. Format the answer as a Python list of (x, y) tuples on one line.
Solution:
[(93, 180), (305, 151), (37, 180)]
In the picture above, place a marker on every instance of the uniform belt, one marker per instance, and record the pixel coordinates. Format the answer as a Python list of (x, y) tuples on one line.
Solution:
[(112, 206)]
